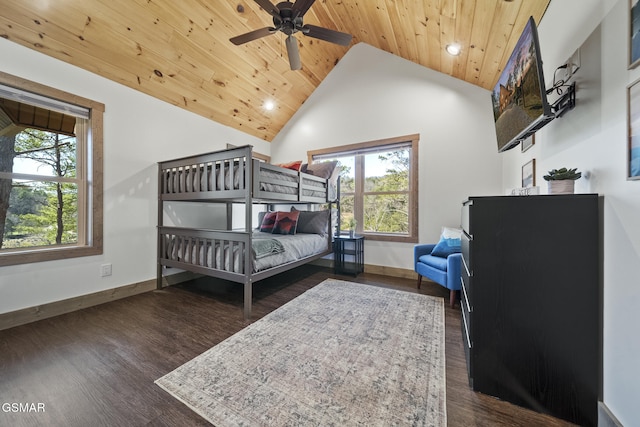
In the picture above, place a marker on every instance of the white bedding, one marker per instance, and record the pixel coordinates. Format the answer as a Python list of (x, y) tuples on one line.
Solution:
[(296, 246)]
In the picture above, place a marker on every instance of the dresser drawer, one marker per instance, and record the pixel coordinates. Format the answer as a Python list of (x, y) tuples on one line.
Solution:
[(466, 324), (467, 342), (464, 218), (465, 247), (465, 292)]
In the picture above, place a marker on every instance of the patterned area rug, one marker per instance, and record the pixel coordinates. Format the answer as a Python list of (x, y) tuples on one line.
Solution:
[(340, 354)]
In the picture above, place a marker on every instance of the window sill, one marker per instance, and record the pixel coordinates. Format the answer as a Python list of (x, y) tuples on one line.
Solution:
[(390, 237), (47, 254)]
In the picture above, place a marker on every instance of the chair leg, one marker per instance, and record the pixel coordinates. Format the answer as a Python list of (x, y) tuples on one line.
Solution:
[(452, 298), (419, 280)]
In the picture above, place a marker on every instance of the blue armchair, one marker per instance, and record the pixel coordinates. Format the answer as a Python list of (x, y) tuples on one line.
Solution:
[(444, 271)]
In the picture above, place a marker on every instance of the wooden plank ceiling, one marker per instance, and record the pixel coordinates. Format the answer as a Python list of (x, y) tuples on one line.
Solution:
[(179, 51)]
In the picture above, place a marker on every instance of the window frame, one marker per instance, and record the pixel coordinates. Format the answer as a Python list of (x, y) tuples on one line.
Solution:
[(91, 162), (413, 139)]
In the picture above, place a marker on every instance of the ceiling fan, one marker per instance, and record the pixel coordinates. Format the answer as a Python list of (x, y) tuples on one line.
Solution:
[(287, 17)]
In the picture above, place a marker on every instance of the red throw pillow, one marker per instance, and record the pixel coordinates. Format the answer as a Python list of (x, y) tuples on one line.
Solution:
[(291, 165), (286, 222), (268, 222)]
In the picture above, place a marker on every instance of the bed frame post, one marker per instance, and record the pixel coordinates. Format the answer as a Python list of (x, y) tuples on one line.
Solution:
[(160, 223), (229, 216), (248, 297), (248, 219)]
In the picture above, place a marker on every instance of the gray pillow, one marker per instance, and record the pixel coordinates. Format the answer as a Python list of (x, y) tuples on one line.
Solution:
[(322, 170), (313, 222), (261, 215)]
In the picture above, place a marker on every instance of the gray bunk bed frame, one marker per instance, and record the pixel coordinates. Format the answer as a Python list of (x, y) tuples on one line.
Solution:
[(256, 183)]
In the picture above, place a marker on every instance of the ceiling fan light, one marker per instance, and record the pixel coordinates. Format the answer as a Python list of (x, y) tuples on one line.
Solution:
[(453, 49)]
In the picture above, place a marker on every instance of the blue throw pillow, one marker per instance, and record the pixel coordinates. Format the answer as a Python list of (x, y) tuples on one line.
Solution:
[(446, 247)]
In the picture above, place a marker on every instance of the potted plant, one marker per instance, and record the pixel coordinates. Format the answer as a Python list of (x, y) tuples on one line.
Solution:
[(562, 181), (352, 224)]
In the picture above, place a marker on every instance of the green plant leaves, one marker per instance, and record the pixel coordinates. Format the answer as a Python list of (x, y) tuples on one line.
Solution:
[(562, 173)]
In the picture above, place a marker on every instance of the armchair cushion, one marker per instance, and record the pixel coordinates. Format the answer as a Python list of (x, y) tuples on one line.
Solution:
[(434, 261)]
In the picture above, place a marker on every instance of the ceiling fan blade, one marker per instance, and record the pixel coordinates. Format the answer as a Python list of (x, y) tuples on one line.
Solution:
[(269, 7), (293, 53), (300, 7), (326, 34), (252, 35)]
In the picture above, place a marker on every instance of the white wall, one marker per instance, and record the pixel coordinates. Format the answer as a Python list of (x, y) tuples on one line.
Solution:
[(373, 95), (593, 138), (138, 132)]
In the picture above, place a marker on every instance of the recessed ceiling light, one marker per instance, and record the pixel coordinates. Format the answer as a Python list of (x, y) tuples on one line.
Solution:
[(269, 105), (453, 49)]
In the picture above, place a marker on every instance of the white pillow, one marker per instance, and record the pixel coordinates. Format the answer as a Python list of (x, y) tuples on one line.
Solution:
[(451, 233)]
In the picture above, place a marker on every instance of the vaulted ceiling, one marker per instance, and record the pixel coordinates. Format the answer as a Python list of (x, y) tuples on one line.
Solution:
[(179, 51)]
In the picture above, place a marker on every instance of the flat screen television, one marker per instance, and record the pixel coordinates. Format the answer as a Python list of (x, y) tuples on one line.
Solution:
[(520, 105)]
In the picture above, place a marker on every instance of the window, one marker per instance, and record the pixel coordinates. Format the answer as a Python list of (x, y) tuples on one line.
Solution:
[(50, 173), (378, 187)]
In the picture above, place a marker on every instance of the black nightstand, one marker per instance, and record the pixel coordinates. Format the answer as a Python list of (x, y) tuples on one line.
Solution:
[(348, 254)]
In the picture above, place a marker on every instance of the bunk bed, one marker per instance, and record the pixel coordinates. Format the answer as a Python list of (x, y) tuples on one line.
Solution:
[(242, 255)]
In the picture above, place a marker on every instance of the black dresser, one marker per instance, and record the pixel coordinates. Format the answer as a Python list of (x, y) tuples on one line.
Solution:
[(531, 301)]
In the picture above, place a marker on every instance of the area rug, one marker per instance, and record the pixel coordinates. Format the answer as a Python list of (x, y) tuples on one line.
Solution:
[(341, 354)]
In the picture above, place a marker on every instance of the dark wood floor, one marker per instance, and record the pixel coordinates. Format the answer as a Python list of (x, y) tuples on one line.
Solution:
[(97, 366)]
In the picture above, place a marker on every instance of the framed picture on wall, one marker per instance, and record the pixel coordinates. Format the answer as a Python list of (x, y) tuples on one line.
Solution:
[(633, 129), (529, 174), (634, 33), (528, 143)]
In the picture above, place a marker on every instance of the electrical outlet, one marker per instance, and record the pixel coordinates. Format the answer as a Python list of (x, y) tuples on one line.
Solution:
[(105, 270), (573, 65)]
